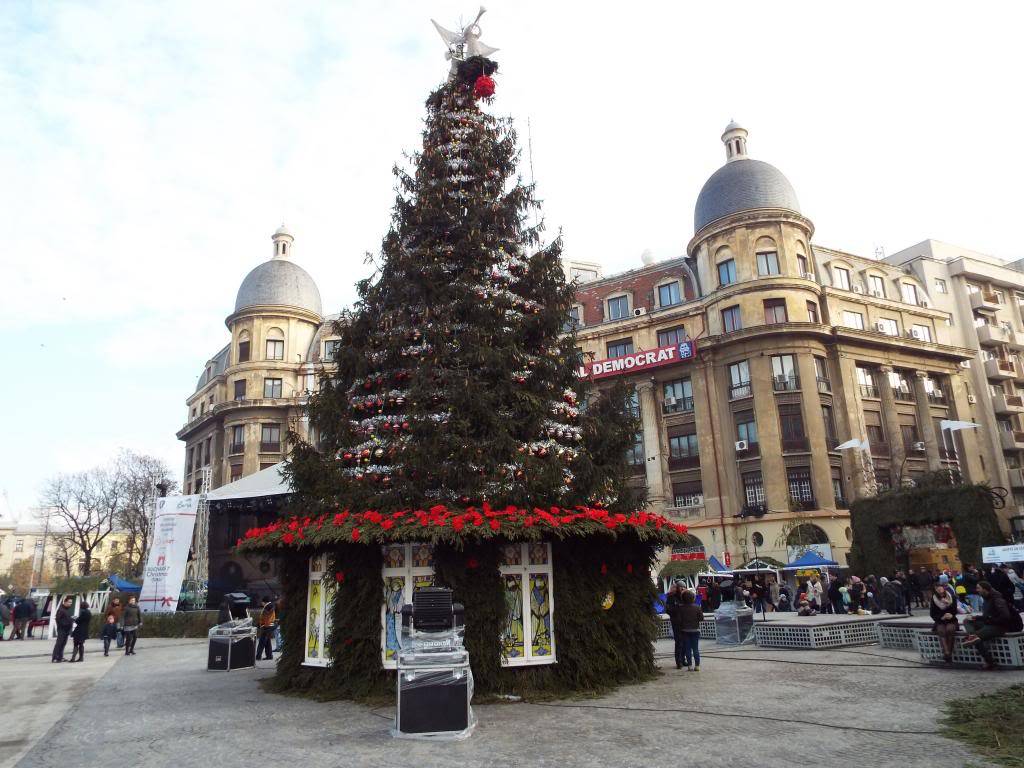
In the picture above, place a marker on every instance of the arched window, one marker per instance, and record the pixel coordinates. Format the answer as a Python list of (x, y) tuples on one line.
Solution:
[(806, 533), (243, 346), (275, 344), (767, 256), (690, 544)]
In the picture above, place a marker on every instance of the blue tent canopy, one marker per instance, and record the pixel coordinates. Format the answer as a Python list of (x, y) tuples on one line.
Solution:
[(123, 586), (715, 565), (811, 559)]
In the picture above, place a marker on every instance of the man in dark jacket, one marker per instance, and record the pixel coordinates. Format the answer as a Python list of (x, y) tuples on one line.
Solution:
[(64, 624), (923, 580), (22, 616), (674, 609), (996, 620), (1001, 583)]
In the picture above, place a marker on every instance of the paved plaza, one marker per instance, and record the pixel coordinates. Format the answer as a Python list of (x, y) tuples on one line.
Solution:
[(866, 706)]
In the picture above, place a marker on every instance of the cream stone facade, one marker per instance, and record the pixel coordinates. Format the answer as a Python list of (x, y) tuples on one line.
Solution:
[(798, 349), (20, 540)]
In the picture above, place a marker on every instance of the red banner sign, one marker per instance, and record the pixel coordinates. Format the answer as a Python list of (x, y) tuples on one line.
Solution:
[(638, 361), (688, 556)]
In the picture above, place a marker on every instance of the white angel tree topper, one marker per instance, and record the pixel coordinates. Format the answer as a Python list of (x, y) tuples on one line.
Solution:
[(466, 42)]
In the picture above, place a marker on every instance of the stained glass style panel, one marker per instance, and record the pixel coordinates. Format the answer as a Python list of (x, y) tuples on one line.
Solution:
[(538, 553), (540, 614), (394, 597), (512, 554), (314, 619), (329, 590), (514, 640), (422, 555), (394, 555)]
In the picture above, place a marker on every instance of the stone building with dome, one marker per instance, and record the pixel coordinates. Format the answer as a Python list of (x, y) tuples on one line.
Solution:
[(782, 350)]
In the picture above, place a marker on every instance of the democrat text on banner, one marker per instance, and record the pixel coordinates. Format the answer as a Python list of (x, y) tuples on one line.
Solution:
[(172, 537)]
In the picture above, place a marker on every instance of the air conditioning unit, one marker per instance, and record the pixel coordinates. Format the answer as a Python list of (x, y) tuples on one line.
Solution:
[(881, 327), (858, 289), (916, 334), (742, 445), (917, 447), (639, 311), (923, 303), (972, 399), (878, 294), (671, 401), (965, 363)]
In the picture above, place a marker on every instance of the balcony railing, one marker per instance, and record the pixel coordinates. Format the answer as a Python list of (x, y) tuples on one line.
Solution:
[(236, 448), (681, 405), (937, 397), (739, 391), (683, 462), (824, 385), (806, 504), (786, 383), (868, 390), (904, 395), (753, 510), (794, 444), (270, 447)]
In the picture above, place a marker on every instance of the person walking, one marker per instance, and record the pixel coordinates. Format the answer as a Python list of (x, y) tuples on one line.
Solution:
[(942, 609), (268, 619), (115, 609), (690, 617), (22, 615), (64, 624), (996, 620), (5, 618), (131, 622), (109, 633), (674, 608), (81, 632), (774, 593)]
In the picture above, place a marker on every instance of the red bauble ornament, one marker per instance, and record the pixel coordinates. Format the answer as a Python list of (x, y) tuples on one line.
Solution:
[(483, 88)]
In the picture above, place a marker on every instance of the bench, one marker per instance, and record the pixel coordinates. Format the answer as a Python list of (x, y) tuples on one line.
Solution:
[(1007, 651), (901, 634), (707, 628)]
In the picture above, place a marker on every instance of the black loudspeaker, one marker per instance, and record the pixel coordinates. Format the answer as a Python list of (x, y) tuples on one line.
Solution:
[(227, 653), (434, 701), (220, 650)]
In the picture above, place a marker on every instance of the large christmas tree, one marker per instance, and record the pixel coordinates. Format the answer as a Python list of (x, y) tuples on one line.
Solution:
[(455, 415)]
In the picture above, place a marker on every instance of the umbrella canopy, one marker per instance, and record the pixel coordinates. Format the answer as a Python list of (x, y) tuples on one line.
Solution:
[(121, 585)]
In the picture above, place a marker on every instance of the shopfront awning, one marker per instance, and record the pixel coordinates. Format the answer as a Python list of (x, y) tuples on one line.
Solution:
[(810, 559), (266, 482)]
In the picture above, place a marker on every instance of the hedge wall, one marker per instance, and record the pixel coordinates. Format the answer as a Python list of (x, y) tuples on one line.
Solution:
[(969, 510), (180, 624), (597, 649)]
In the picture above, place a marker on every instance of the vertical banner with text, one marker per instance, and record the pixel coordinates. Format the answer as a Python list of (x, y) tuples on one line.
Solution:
[(172, 538)]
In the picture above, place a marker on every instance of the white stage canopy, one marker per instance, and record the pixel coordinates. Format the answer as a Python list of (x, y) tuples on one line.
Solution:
[(266, 482)]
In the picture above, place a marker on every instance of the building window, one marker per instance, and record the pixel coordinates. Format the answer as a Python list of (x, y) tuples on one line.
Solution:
[(791, 425), (785, 375), (853, 320), (688, 495), (236, 472), (940, 285), (238, 439), (922, 332), (866, 382), (812, 313), (842, 278), (331, 348), (739, 380), (910, 437), (240, 389), (775, 311), (731, 320), (573, 322), (671, 337), (272, 387), (888, 326), (909, 291), (901, 386), (243, 351), (19, 545), (876, 286), (618, 307), (620, 348), (768, 263), (821, 374), (529, 636), (746, 428), (830, 426), (678, 396), (270, 438), (308, 382), (727, 272), (668, 295), (753, 489), (837, 491), (275, 349), (801, 265), (635, 453), (683, 447), (799, 481)]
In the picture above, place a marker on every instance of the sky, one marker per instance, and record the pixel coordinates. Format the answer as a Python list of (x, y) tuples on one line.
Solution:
[(148, 151)]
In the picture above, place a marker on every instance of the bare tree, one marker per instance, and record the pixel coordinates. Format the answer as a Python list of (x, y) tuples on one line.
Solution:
[(63, 555), (85, 505), (143, 479)]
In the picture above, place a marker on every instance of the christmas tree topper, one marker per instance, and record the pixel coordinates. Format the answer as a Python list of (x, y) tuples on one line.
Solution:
[(466, 42)]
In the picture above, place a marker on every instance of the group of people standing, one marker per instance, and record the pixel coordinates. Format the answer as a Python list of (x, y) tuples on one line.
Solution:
[(121, 625)]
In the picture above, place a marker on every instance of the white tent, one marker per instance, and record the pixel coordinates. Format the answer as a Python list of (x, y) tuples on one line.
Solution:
[(266, 482)]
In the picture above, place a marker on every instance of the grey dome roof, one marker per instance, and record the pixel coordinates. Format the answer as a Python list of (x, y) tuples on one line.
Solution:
[(280, 283), (742, 185)]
